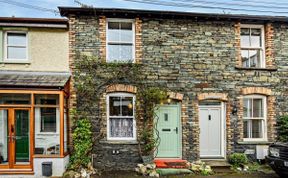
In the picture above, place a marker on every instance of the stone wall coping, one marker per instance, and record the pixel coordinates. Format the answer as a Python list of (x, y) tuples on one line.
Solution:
[(119, 142)]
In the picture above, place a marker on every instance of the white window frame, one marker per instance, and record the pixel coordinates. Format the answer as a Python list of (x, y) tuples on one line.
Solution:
[(262, 48), (107, 42), (264, 125), (108, 117), (6, 59)]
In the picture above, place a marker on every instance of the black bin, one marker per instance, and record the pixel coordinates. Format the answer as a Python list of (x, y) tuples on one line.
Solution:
[(47, 169)]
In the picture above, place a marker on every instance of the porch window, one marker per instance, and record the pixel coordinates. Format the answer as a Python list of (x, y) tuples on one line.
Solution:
[(121, 121), (16, 46), (47, 124), (120, 40), (254, 118), (252, 46)]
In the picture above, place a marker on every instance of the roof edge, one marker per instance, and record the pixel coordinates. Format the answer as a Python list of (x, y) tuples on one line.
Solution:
[(66, 11)]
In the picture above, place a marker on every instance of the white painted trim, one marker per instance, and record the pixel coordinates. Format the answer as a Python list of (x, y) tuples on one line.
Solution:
[(264, 125), (133, 31), (263, 55), (6, 48), (121, 94), (223, 143)]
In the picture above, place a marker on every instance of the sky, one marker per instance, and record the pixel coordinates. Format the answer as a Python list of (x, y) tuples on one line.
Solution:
[(252, 7)]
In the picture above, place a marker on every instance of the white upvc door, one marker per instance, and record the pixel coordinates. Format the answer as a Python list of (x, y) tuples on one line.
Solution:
[(212, 131)]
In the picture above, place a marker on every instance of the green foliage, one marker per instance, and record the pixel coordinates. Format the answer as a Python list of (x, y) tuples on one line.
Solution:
[(238, 159), (92, 76), (150, 97), (282, 124), (82, 141)]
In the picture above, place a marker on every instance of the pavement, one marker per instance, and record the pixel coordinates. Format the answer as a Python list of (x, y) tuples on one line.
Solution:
[(116, 174)]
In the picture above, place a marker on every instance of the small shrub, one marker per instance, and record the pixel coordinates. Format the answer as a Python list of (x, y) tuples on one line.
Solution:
[(282, 124), (238, 159)]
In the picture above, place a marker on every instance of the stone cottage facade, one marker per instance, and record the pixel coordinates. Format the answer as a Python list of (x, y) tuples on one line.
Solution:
[(226, 76)]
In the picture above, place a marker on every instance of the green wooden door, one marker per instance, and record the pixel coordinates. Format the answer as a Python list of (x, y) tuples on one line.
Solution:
[(169, 129), (22, 135)]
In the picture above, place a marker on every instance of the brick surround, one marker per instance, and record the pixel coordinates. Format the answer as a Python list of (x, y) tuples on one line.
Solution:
[(269, 45)]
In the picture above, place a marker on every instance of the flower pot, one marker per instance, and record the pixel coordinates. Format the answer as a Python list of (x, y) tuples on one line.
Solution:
[(147, 159)]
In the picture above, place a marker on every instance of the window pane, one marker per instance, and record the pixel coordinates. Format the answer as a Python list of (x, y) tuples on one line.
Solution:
[(15, 98), (245, 37), (114, 104), (256, 37), (247, 110), (113, 53), (16, 39), (245, 129), (46, 99), (127, 106), (48, 119), (16, 53), (257, 129), (258, 108), (113, 35), (126, 26), (255, 59), (126, 53), (4, 146), (120, 32), (120, 127), (245, 58), (119, 53)]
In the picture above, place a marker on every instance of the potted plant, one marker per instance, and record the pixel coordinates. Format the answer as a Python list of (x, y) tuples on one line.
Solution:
[(148, 145)]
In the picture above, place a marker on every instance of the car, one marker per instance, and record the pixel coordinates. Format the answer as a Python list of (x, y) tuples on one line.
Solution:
[(278, 158)]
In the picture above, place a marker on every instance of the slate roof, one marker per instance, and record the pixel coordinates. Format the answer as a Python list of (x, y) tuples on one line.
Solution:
[(33, 79)]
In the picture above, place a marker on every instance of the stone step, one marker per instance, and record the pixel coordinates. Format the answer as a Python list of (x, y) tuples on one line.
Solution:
[(219, 166), (172, 171), (171, 163)]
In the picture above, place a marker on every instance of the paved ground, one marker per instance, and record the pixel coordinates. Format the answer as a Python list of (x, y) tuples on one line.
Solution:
[(132, 175)]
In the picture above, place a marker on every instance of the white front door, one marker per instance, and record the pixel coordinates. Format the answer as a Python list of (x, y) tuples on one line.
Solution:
[(211, 131)]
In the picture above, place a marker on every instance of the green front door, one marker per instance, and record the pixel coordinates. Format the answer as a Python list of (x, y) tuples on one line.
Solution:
[(21, 135), (169, 131)]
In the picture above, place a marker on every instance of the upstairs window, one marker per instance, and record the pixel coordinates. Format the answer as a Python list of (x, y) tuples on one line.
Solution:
[(16, 46), (252, 46), (120, 41), (254, 118)]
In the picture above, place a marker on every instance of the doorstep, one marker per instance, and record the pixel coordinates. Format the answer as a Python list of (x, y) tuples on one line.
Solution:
[(171, 163), (219, 166)]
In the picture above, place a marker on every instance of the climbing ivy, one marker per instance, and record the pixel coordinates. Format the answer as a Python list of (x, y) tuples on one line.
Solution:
[(82, 142), (91, 77)]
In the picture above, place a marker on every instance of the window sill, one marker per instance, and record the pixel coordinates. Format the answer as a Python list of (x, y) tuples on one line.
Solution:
[(16, 62), (256, 68), (119, 142), (254, 142)]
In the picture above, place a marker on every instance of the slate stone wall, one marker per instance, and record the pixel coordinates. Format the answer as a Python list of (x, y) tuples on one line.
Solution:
[(189, 57)]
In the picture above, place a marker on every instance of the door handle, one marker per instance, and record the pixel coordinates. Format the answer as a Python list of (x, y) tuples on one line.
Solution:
[(209, 117), (176, 130)]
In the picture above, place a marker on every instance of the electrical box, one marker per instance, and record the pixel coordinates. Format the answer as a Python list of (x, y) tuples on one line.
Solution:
[(261, 151)]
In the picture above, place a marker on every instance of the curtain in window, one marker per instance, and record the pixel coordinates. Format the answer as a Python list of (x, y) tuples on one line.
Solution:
[(121, 127)]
